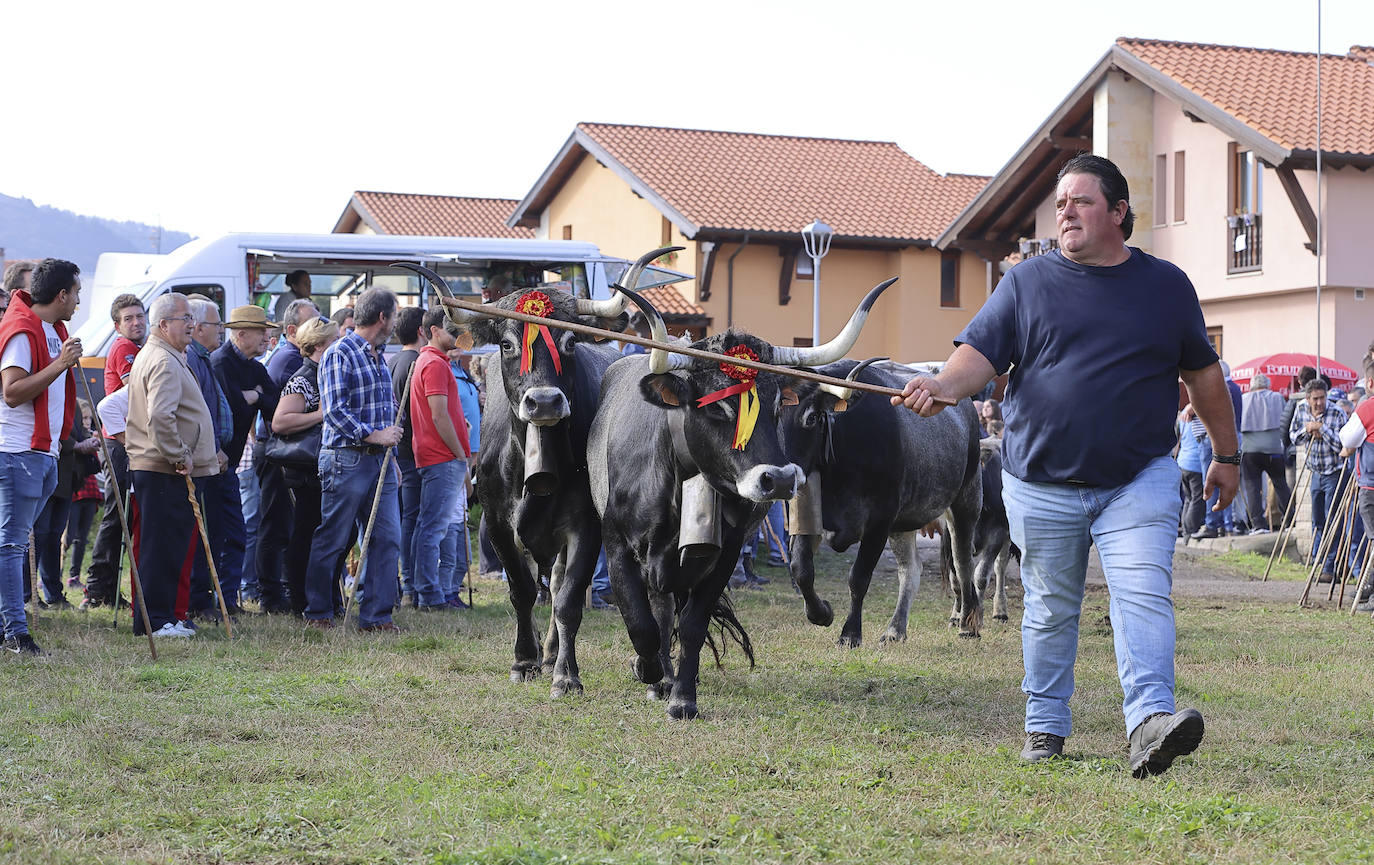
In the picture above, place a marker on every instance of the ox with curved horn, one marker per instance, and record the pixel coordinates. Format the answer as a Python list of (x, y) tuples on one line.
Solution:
[(615, 304), (455, 315), (844, 394), (661, 361)]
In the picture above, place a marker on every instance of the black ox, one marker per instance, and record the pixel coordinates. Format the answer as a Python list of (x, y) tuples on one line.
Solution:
[(882, 472), (532, 468), (653, 435)]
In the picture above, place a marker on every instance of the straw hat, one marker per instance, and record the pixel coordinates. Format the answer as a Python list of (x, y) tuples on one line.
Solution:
[(249, 316)]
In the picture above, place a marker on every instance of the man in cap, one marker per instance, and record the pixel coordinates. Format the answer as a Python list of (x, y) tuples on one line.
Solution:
[(249, 389)]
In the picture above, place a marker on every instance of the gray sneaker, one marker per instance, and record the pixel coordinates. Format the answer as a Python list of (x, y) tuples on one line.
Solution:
[(1042, 746), (1366, 607), (1162, 738)]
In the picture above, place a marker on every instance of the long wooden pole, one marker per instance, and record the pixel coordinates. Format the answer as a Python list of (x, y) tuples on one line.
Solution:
[(1323, 546), (588, 330), (1285, 529), (209, 556), (136, 584), (377, 499)]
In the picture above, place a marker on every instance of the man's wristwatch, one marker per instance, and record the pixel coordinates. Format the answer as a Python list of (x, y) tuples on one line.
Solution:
[(1232, 460)]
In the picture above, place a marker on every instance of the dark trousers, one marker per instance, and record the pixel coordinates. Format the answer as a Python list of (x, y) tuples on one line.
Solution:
[(274, 532), (1366, 503), (79, 521), (487, 560), (1193, 502), (307, 518), (167, 538), (102, 583), (1252, 468), (224, 523), (47, 539)]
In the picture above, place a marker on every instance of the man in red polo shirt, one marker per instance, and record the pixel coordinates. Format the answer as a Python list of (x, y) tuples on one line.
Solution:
[(102, 581), (440, 442)]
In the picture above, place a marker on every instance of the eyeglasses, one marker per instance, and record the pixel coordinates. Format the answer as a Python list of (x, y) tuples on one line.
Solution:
[(188, 318)]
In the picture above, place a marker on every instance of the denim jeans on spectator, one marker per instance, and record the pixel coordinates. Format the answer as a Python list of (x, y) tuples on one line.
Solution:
[(410, 510), (453, 557), (439, 486), (1324, 499), (1134, 527), (348, 482), (1224, 518), (251, 497), (26, 481)]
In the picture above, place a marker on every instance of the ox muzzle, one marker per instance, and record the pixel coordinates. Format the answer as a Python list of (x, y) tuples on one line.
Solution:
[(543, 406)]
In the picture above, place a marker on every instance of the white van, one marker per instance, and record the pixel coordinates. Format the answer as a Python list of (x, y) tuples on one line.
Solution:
[(238, 269)]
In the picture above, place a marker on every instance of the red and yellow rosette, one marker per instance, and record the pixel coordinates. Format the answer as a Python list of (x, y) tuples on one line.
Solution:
[(748, 394), (536, 303)]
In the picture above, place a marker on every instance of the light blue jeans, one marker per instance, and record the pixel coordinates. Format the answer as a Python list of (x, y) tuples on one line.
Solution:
[(1134, 527), (439, 488), (26, 482)]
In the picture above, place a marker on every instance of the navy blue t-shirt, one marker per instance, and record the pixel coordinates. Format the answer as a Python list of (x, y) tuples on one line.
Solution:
[(1095, 354)]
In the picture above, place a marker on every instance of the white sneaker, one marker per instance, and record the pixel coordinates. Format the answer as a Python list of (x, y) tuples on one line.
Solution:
[(172, 629)]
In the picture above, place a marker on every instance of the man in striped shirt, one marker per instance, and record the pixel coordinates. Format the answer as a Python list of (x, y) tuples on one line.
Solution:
[(1318, 425), (359, 426)]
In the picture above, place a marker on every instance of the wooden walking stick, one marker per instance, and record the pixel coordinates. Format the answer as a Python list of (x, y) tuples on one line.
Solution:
[(1285, 529), (1288, 538), (377, 498), (209, 556), (774, 539), (136, 584), (33, 575), (1320, 555), (1349, 566), (1336, 535)]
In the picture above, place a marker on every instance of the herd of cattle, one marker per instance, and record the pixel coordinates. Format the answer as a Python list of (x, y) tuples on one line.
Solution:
[(671, 462)]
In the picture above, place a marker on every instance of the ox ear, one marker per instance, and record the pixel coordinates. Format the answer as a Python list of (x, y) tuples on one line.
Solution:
[(487, 331), (664, 390), (789, 395), (616, 323)]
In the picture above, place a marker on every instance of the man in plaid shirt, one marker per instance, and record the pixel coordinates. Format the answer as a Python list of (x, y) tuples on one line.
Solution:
[(1318, 425), (359, 426)]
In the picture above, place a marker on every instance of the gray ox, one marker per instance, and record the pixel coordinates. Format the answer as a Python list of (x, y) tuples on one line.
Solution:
[(651, 437), (532, 468), (882, 472), (992, 546)]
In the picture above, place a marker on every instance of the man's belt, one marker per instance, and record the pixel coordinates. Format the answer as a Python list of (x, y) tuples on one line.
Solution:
[(364, 448)]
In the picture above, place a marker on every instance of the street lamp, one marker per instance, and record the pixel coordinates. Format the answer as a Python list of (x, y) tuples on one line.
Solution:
[(816, 237)]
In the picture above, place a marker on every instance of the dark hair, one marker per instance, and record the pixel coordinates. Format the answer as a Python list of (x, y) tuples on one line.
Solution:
[(408, 324), (1305, 375), (343, 314), (123, 302), (14, 276), (372, 305), (1109, 178), (434, 317), (51, 278), (295, 277), (1315, 385)]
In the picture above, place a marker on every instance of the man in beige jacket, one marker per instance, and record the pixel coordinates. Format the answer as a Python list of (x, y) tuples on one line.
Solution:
[(170, 436)]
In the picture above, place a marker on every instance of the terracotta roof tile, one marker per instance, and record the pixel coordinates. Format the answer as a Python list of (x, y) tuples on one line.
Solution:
[(1275, 92), (440, 215), (772, 183), (669, 301)]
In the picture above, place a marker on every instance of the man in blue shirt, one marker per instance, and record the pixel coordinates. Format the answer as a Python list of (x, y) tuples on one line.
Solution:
[(359, 426), (1086, 465)]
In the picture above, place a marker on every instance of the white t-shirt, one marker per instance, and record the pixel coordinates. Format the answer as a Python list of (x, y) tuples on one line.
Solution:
[(114, 412), (16, 424)]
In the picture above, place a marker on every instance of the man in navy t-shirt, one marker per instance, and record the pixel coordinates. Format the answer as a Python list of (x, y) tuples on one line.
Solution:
[(1096, 336)]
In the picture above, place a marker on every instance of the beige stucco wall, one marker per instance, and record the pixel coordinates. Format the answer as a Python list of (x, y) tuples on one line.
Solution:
[(1252, 326), (1123, 112), (1348, 199)]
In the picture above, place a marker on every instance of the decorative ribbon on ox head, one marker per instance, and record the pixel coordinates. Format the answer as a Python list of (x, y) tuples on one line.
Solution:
[(748, 394), (536, 303)]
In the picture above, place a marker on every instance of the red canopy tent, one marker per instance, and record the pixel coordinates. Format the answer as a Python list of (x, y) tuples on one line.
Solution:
[(1282, 370)]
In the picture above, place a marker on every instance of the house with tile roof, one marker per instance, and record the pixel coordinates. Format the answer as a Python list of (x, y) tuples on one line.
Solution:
[(1219, 147), (737, 203), (429, 215)]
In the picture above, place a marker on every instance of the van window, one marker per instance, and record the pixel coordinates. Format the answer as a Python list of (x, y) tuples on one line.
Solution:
[(212, 290)]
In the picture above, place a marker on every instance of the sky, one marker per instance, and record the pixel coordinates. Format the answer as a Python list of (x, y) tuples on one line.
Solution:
[(257, 116)]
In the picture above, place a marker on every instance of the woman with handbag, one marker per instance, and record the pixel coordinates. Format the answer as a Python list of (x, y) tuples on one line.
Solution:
[(297, 428)]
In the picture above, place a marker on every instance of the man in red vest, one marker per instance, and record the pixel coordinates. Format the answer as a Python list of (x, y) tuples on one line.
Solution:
[(36, 357)]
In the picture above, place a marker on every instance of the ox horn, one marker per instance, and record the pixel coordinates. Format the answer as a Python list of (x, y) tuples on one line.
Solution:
[(844, 393), (615, 304), (660, 361), (837, 347), (456, 315)]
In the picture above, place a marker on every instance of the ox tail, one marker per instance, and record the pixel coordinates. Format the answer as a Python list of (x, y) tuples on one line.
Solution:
[(728, 628)]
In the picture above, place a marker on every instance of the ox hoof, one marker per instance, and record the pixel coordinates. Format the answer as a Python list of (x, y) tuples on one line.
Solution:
[(821, 614), (562, 687), (1001, 617), (969, 635), (525, 671), (892, 635), (849, 641), (682, 711), (954, 621), (649, 671), (658, 691)]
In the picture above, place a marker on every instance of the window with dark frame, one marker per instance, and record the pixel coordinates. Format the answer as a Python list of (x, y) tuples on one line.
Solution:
[(1161, 205), (667, 233), (1179, 174), (1214, 338), (567, 232), (949, 279)]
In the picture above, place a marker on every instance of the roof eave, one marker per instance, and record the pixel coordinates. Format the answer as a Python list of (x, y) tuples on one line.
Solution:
[(539, 194), (352, 208), (688, 228), (720, 234)]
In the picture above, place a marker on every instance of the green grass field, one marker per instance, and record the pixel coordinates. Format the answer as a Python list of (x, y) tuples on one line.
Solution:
[(288, 746)]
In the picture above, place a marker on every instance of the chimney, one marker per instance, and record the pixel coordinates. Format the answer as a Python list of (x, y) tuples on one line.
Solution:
[(1362, 52)]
